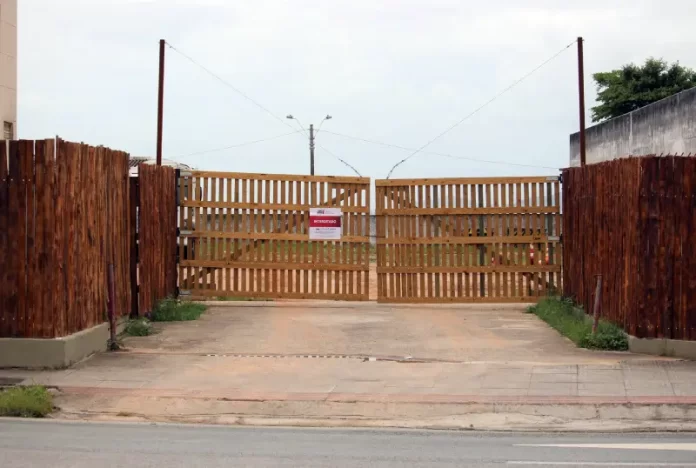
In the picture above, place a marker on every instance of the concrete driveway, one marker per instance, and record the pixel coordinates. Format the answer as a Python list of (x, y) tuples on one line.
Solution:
[(346, 363), (456, 333)]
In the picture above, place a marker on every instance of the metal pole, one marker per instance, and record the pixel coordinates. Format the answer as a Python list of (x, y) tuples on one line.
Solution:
[(597, 304), (311, 149), (581, 94), (113, 345), (160, 102)]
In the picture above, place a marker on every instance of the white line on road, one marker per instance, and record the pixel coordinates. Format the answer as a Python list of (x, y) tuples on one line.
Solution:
[(568, 463), (685, 447)]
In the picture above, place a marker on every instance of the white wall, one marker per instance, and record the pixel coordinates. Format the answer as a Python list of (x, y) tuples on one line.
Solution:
[(8, 64), (667, 126)]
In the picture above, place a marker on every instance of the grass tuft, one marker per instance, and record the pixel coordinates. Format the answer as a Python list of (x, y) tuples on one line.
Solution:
[(138, 327), (26, 402), (572, 322), (171, 310)]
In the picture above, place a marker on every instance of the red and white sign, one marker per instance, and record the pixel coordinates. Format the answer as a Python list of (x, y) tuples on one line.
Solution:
[(325, 224)]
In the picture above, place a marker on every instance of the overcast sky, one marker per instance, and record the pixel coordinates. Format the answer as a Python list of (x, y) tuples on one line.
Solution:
[(400, 72)]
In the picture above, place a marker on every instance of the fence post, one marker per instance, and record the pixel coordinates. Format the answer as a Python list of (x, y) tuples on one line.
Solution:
[(133, 213), (113, 345), (597, 304)]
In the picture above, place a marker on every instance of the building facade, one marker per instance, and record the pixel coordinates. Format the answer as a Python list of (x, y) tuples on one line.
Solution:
[(663, 127), (8, 69)]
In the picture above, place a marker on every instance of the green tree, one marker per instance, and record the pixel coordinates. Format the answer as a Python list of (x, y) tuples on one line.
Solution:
[(632, 86)]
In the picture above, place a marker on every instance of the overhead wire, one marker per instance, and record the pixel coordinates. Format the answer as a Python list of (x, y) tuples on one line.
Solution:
[(475, 111), (238, 145), (390, 145), (326, 150), (230, 85), (253, 101)]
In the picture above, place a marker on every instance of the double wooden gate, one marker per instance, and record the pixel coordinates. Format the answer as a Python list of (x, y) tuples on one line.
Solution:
[(246, 236), (468, 240), (437, 240)]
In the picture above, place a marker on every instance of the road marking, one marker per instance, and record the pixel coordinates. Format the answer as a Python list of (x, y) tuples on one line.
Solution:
[(567, 463), (686, 447)]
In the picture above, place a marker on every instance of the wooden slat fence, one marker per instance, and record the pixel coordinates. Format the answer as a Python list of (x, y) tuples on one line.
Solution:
[(246, 235), (157, 235), (63, 218), (633, 221), (468, 240)]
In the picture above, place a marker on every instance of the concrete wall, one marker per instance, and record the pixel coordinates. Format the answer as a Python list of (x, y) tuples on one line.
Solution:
[(8, 65), (666, 126)]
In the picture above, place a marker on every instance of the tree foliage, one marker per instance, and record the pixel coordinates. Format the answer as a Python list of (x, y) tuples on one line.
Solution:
[(632, 86)]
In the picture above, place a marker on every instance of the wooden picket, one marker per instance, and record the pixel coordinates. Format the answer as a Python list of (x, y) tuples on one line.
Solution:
[(468, 240), (246, 235)]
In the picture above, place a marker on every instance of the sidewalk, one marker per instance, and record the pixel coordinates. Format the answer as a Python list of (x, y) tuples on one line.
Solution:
[(179, 376)]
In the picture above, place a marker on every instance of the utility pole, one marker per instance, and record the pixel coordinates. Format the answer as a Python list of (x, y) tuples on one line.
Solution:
[(581, 95), (311, 137), (311, 149), (160, 102)]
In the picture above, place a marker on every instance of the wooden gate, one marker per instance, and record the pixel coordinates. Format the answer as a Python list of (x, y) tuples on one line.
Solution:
[(468, 240), (247, 236)]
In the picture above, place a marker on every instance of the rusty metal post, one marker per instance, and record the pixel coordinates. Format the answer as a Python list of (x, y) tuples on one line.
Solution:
[(581, 95), (597, 304), (113, 345), (160, 102)]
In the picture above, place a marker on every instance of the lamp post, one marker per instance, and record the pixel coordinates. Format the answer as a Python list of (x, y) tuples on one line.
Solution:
[(311, 138)]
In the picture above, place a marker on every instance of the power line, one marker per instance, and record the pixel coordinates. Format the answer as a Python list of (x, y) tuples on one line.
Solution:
[(327, 151), (341, 160), (452, 127), (229, 85), (238, 145), (253, 101), (488, 161)]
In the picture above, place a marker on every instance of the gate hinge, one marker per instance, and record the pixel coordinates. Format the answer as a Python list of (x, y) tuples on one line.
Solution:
[(554, 238), (184, 292), (185, 232)]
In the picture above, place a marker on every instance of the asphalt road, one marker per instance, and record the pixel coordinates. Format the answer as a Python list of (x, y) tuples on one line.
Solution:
[(65, 444)]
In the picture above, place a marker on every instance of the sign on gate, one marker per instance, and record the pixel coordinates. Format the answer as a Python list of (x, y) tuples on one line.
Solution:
[(324, 224)]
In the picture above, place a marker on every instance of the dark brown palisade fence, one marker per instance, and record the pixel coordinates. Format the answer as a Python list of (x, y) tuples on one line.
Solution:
[(157, 235), (633, 221), (63, 218)]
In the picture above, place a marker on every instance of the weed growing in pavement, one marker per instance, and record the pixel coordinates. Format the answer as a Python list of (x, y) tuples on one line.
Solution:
[(138, 327), (26, 402), (571, 321), (172, 310)]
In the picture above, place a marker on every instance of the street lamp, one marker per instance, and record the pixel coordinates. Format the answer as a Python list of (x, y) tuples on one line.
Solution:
[(311, 137)]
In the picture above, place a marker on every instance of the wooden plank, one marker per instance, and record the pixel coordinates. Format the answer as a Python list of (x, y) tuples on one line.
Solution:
[(271, 295), (276, 265), (44, 237), (27, 164), (286, 177), (460, 180), (457, 300), (260, 235), (473, 211), (470, 269), (6, 257), (430, 239)]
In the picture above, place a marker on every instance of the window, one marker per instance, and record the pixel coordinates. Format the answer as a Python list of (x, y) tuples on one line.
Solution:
[(7, 131)]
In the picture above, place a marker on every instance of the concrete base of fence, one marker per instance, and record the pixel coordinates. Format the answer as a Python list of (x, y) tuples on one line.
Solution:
[(54, 353), (663, 347)]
